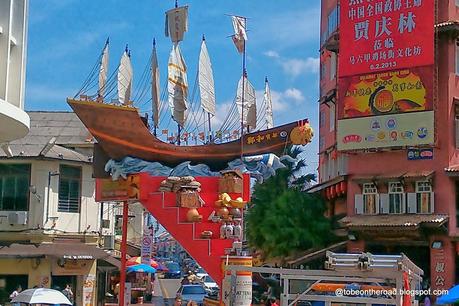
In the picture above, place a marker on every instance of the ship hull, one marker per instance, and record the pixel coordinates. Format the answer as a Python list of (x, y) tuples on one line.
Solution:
[(120, 132)]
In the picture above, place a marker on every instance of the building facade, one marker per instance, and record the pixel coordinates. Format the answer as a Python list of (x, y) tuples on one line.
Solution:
[(13, 49), (389, 129), (51, 228)]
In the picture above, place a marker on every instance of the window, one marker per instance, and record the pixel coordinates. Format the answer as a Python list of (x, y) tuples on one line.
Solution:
[(396, 198), (456, 121), (321, 142), (457, 2), (424, 197), (14, 187), (69, 189), (333, 64), (333, 20), (323, 70), (322, 119), (370, 199), (332, 117)]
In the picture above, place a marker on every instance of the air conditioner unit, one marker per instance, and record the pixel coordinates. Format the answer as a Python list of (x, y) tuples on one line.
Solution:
[(105, 223), (17, 218), (109, 242)]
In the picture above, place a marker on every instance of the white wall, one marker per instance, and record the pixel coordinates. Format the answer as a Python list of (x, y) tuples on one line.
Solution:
[(89, 216), (13, 45)]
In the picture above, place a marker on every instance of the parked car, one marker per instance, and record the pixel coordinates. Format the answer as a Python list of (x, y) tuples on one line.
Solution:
[(193, 292), (173, 270), (201, 273), (210, 285)]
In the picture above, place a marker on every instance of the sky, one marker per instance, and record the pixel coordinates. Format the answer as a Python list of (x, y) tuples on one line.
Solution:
[(66, 37)]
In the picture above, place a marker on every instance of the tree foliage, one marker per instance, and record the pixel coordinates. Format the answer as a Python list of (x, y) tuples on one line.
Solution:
[(283, 219)]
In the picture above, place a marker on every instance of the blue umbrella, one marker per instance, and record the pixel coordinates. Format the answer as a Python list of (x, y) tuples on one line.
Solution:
[(141, 268), (451, 297)]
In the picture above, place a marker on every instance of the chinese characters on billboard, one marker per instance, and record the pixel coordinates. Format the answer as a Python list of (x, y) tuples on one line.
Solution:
[(390, 92), (381, 35)]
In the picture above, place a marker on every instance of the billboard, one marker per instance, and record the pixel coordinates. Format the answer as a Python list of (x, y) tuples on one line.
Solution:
[(385, 35), (385, 131), (390, 92), (119, 190)]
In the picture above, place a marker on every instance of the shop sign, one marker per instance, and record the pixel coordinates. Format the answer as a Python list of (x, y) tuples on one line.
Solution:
[(439, 269), (63, 266), (147, 240), (384, 35), (119, 190), (398, 130), (88, 289), (127, 294), (416, 154), (393, 92)]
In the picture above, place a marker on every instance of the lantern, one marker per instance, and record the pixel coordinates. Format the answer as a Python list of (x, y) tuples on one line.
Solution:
[(343, 187), (337, 190), (332, 192), (327, 193)]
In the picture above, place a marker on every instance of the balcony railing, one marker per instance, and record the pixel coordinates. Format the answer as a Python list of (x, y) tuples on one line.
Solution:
[(394, 203)]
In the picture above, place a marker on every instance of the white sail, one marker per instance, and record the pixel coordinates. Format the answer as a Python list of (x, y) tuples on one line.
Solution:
[(155, 92), (177, 23), (269, 106), (125, 79), (103, 69), (248, 107), (206, 81), (177, 85)]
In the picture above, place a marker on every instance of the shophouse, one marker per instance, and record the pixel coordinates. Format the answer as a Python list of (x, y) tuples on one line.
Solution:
[(389, 128)]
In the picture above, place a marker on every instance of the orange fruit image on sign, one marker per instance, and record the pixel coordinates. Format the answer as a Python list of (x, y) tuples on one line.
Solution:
[(384, 101), (390, 92)]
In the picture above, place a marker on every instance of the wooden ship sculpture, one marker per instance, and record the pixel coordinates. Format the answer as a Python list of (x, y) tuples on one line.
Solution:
[(121, 131)]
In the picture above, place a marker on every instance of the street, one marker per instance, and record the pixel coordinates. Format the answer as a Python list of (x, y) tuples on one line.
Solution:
[(165, 290)]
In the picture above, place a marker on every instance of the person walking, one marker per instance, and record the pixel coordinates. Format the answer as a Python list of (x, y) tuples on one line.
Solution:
[(68, 293), (15, 294)]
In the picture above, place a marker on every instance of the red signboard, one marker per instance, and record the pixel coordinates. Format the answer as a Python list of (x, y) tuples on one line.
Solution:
[(381, 35), (384, 93)]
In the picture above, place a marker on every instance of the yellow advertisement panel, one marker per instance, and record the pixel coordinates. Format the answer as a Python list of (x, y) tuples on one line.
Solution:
[(385, 93), (398, 130)]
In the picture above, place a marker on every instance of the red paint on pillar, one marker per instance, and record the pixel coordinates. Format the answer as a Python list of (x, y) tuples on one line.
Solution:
[(357, 246), (442, 263), (123, 255)]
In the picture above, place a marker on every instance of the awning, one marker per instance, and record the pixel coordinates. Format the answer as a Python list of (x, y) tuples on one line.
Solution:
[(394, 220), (78, 251), (452, 170), (326, 184), (447, 26), (316, 254)]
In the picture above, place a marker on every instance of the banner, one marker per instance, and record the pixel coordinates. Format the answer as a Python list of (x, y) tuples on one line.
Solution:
[(147, 239), (397, 130), (119, 190), (385, 35), (391, 92)]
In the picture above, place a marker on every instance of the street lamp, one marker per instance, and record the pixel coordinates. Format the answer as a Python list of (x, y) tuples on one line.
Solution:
[(50, 174)]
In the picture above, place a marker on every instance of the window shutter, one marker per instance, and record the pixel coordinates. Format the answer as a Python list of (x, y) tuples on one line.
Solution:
[(404, 203), (384, 198), (411, 197), (377, 204), (358, 203), (432, 202)]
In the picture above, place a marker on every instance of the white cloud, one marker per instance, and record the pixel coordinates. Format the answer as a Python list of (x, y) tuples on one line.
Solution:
[(271, 53), (294, 94), (295, 67)]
